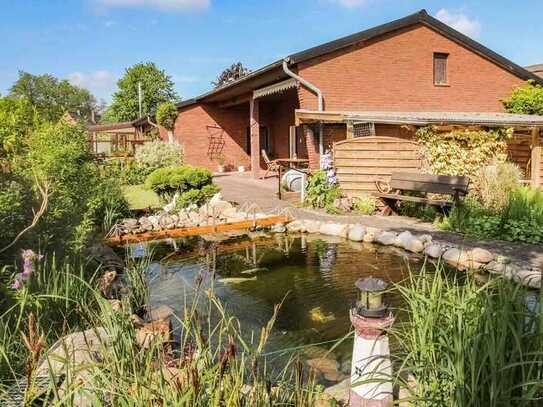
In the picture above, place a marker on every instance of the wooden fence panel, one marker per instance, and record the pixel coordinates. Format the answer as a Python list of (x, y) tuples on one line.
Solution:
[(519, 151), (359, 162)]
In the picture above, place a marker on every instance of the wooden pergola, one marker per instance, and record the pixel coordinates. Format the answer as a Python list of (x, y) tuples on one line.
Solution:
[(118, 137), (529, 126)]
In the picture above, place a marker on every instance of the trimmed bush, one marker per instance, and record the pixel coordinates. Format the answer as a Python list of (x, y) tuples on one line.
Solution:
[(182, 179), (166, 115)]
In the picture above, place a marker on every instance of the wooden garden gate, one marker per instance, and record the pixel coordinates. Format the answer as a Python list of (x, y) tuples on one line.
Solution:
[(359, 162)]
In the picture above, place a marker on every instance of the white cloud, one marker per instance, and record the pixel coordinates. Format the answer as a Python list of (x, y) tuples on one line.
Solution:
[(350, 3), (100, 83), (461, 22), (167, 5)]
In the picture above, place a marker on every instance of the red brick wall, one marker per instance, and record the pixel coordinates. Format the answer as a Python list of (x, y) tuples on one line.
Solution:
[(192, 132), (395, 73)]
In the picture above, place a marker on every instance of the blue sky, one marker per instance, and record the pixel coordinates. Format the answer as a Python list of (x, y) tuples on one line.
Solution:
[(91, 42)]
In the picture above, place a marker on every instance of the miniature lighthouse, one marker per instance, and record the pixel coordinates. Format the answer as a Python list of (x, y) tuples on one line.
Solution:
[(371, 370)]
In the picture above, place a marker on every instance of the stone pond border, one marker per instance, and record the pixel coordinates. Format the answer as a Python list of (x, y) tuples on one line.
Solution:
[(477, 259), (218, 211)]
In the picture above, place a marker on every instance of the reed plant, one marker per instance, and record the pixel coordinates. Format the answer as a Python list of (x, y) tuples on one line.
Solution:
[(210, 363), (468, 344)]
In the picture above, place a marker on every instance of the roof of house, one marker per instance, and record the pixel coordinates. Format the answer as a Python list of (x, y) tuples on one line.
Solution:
[(421, 17), (426, 118), (536, 69)]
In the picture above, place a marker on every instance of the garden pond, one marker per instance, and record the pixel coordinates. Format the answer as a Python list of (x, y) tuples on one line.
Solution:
[(312, 275)]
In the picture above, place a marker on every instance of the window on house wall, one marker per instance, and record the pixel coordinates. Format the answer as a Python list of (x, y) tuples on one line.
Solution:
[(440, 68)]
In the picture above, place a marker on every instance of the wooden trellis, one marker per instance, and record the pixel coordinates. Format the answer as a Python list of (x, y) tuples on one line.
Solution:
[(215, 141)]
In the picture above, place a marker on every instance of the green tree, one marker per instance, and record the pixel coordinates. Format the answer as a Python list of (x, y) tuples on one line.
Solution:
[(230, 74), (157, 87), (17, 118), (52, 97), (525, 99)]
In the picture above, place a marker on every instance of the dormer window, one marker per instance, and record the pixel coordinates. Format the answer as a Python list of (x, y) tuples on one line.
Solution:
[(440, 68)]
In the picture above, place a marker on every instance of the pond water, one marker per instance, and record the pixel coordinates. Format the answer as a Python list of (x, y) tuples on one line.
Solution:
[(313, 275)]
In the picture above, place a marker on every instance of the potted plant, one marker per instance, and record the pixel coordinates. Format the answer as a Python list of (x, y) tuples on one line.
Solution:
[(221, 160)]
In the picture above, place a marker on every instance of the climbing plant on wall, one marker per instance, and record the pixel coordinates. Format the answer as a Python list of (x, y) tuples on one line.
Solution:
[(462, 152)]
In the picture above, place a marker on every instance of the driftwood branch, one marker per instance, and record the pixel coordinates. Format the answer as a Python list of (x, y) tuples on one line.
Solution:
[(44, 192)]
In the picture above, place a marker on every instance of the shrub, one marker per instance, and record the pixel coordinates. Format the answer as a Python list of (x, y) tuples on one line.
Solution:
[(128, 172), (320, 193), (58, 153), (525, 99), (105, 207), (190, 197), (169, 180), (365, 204), (16, 200), (495, 184), (158, 154), (166, 115), (209, 190), (521, 220)]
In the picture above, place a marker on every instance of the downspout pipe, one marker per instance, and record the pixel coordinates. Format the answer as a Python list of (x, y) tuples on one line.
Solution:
[(306, 83), (314, 89)]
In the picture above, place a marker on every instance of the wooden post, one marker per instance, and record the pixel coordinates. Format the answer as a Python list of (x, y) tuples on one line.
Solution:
[(350, 130), (279, 183), (254, 125), (536, 158)]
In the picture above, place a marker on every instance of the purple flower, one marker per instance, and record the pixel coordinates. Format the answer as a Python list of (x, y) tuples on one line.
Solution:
[(16, 285), (25, 275), (29, 255)]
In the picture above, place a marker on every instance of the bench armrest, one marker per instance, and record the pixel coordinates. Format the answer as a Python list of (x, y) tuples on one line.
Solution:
[(460, 191)]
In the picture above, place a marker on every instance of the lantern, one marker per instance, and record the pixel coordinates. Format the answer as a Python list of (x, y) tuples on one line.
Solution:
[(371, 303)]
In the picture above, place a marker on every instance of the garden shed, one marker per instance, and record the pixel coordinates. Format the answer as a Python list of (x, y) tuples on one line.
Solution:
[(369, 146)]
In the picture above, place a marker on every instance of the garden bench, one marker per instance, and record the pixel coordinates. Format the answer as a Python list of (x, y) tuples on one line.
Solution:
[(402, 182)]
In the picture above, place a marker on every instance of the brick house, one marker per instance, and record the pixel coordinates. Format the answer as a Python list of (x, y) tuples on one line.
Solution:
[(414, 64), (536, 69)]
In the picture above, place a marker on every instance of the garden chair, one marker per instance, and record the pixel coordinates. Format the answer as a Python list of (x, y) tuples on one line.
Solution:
[(271, 165)]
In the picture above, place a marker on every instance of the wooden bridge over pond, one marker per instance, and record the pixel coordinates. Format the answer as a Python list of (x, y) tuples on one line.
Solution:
[(249, 224)]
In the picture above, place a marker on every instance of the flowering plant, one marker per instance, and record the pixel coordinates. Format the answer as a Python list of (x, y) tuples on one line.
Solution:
[(29, 267), (327, 164)]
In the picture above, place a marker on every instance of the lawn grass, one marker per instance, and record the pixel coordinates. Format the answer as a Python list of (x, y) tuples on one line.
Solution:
[(140, 198)]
